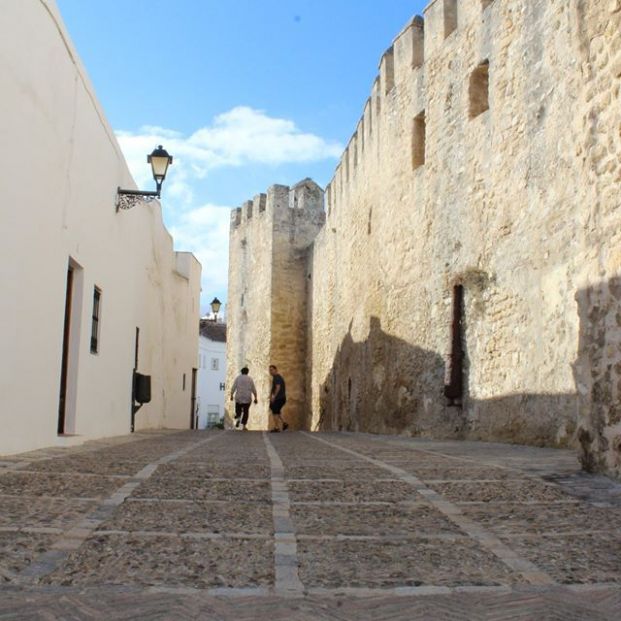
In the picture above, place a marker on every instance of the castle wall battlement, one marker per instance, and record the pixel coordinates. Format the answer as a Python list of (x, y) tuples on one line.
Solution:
[(403, 67), (472, 232)]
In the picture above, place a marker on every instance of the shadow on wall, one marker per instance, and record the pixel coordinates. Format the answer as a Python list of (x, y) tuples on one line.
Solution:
[(524, 418), (386, 385), (597, 372)]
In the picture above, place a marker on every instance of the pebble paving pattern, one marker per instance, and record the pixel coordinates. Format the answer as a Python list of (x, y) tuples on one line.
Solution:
[(313, 526)]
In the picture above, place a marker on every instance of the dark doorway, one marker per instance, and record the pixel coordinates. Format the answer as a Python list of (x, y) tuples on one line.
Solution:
[(454, 377), (193, 413), (62, 402)]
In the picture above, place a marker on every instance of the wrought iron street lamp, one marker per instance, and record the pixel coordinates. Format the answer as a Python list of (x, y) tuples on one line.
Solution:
[(215, 307), (160, 160)]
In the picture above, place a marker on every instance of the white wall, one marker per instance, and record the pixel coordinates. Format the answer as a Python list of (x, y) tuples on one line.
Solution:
[(60, 166), (209, 394)]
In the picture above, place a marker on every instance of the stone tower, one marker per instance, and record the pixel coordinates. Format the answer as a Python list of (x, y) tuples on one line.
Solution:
[(268, 283)]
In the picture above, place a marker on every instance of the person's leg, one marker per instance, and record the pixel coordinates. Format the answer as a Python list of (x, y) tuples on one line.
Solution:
[(275, 417), (277, 410), (238, 413), (284, 425), (245, 414)]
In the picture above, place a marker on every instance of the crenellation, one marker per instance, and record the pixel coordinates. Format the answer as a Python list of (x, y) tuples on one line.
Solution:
[(387, 70), (360, 129), (328, 195), (442, 18), (307, 195), (409, 50), (236, 217), (367, 115), (418, 41), (259, 203), (277, 202), (247, 210), (377, 98)]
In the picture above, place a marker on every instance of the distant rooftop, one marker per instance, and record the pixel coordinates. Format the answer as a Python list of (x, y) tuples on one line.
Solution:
[(213, 330)]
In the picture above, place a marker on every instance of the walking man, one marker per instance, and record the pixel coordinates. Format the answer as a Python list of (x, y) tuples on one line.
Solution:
[(243, 389), (278, 398)]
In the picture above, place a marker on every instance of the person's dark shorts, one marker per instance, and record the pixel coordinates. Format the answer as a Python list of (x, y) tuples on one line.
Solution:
[(277, 405), (241, 408)]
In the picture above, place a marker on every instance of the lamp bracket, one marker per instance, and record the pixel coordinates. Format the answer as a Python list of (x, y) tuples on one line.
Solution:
[(126, 199)]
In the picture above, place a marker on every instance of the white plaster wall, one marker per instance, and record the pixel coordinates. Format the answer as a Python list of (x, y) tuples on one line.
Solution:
[(60, 167), (209, 380)]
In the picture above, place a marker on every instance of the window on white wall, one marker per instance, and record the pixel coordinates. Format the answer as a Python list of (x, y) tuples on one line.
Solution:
[(95, 321), (215, 364)]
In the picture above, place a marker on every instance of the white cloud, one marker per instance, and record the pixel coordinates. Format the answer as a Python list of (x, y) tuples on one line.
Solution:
[(240, 136), (245, 135)]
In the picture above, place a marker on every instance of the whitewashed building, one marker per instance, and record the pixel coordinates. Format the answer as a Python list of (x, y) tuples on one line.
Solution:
[(90, 295), (211, 390)]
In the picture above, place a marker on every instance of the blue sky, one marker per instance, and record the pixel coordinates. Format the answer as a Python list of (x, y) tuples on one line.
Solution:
[(243, 94)]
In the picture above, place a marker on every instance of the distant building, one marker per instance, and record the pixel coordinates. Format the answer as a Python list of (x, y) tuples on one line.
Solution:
[(211, 389), (90, 295)]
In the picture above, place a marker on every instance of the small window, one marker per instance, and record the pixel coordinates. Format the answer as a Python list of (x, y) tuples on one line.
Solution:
[(95, 321), (215, 364), (418, 140), (479, 89), (183, 381)]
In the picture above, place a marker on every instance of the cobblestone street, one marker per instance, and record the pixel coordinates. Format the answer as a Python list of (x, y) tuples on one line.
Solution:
[(232, 525)]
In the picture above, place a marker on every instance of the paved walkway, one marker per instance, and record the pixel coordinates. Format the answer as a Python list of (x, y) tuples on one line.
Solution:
[(297, 526)]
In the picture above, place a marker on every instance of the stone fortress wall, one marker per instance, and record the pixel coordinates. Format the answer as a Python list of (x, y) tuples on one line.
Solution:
[(268, 288), (472, 233)]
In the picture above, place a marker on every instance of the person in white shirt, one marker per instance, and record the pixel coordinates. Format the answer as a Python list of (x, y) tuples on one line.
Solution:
[(243, 390)]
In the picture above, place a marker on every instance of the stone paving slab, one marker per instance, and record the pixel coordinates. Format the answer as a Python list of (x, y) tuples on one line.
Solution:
[(19, 550), (61, 485), (192, 517), (171, 561), (507, 519), (513, 491), (575, 558), (89, 464), (245, 491), (213, 470), (229, 458), (42, 512), (388, 520), (459, 472), (359, 472), (336, 564), (352, 491)]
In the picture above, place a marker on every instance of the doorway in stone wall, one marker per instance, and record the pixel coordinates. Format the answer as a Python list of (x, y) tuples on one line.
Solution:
[(455, 371)]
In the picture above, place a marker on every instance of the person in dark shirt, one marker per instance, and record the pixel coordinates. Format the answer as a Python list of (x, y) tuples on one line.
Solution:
[(278, 398)]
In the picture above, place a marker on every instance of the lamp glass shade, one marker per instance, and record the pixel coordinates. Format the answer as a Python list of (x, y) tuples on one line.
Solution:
[(159, 160), (215, 305)]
